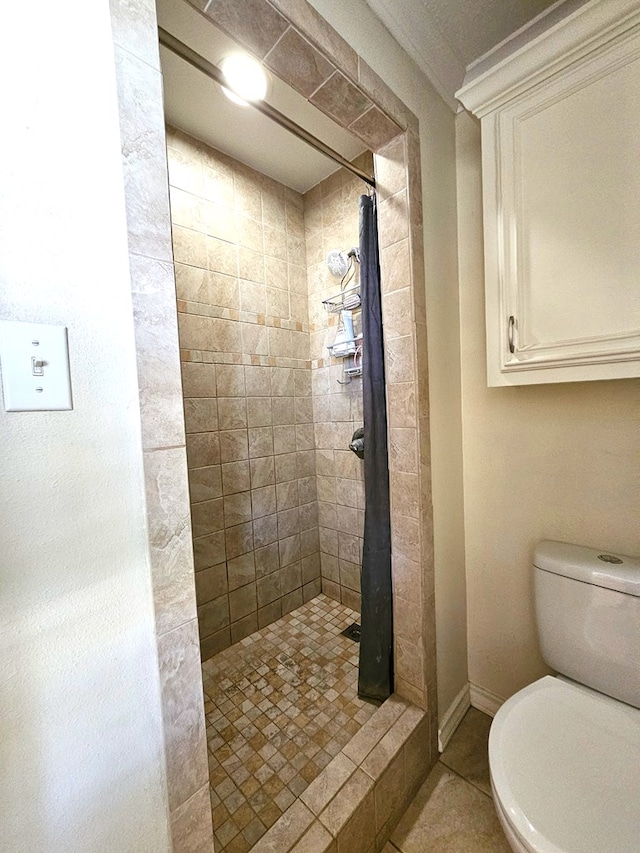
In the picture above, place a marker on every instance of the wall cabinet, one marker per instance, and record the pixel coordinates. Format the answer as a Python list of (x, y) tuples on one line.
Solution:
[(560, 116)]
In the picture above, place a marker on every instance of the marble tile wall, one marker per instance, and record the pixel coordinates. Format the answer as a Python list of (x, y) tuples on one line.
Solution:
[(406, 365), (144, 165), (239, 253), (331, 222), (162, 424), (392, 132)]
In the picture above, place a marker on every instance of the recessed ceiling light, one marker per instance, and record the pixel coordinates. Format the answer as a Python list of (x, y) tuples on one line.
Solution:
[(246, 78)]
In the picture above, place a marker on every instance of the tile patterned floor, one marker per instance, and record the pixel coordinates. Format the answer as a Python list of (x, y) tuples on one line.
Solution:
[(453, 811), (279, 706)]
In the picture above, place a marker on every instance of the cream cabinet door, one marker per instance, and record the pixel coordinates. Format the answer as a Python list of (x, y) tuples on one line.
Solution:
[(561, 185)]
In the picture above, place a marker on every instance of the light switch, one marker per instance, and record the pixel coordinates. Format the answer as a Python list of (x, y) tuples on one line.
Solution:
[(35, 367)]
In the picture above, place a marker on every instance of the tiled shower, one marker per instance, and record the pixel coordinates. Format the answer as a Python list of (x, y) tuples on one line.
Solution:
[(277, 497), (407, 721)]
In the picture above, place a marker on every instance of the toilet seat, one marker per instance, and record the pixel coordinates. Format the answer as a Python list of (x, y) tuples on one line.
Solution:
[(565, 770)]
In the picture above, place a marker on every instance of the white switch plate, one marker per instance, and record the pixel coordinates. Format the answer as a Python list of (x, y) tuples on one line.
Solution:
[(35, 367)]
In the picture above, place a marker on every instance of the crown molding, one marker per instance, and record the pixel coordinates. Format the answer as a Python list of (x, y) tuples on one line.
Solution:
[(564, 34)]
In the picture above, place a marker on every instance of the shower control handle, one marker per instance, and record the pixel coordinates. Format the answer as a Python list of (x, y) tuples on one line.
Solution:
[(357, 443)]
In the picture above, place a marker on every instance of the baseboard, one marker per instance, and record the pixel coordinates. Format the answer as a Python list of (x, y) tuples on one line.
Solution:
[(453, 717), (484, 700)]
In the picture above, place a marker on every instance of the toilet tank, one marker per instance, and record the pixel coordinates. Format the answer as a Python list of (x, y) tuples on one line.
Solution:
[(588, 615)]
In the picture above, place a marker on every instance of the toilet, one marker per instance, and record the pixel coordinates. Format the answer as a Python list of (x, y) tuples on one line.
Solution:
[(564, 752)]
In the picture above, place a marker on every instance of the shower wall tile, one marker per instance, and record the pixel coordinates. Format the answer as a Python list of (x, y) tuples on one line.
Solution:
[(265, 531), (397, 309), (198, 380), (211, 582), (409, 659), (153, 298), (298, 63), (242, 602), (247, 389), (203, 449), (340, 99), (393, 220), (205, 483), (214, 615), (302, 15), (395, 265), (208, 551), (375, 128), (331, 222), (141, 125), (405, 488), (399, 360), (402, 263), (255, 24), (191, 828), (134, 28), (414, 188), (401, 398), (385, 98), (391, 169), (351, 598), (244, 627), (183, 713), (169, 537), (403, 449), (214, 643)]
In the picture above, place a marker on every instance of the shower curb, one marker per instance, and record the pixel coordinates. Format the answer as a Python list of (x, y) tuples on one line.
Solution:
[(357, 800)]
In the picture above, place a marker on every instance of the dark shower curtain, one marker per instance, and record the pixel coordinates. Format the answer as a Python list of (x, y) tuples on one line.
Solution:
[(375, 678)]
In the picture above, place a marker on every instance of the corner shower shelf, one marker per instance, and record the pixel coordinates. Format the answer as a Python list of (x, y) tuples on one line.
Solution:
[(336, 304)]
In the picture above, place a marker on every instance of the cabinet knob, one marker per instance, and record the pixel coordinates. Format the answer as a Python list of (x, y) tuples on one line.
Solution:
[(512, 325)]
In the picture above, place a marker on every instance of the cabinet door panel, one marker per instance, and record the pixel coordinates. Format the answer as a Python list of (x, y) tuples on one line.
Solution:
[(577, 198)]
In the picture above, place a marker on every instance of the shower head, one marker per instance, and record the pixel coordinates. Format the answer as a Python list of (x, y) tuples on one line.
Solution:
[(338, 263)]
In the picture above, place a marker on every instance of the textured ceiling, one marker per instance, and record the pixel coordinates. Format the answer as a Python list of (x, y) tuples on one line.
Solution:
[(444, 36), (472, 27)]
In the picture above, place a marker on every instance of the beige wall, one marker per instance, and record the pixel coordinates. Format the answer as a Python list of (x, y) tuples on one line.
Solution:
[(82, 748), (372, 41), (546, 461)]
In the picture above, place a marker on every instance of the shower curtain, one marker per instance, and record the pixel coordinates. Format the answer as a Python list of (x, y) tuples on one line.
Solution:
[(375, 678)]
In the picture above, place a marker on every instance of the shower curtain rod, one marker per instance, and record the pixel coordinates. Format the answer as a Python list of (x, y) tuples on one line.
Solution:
[(213, 72)]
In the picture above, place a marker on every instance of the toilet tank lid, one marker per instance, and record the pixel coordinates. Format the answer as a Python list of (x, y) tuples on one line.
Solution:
[(600, 568)]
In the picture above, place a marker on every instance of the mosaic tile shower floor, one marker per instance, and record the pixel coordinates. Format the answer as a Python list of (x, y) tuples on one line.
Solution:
[(279, 706)]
